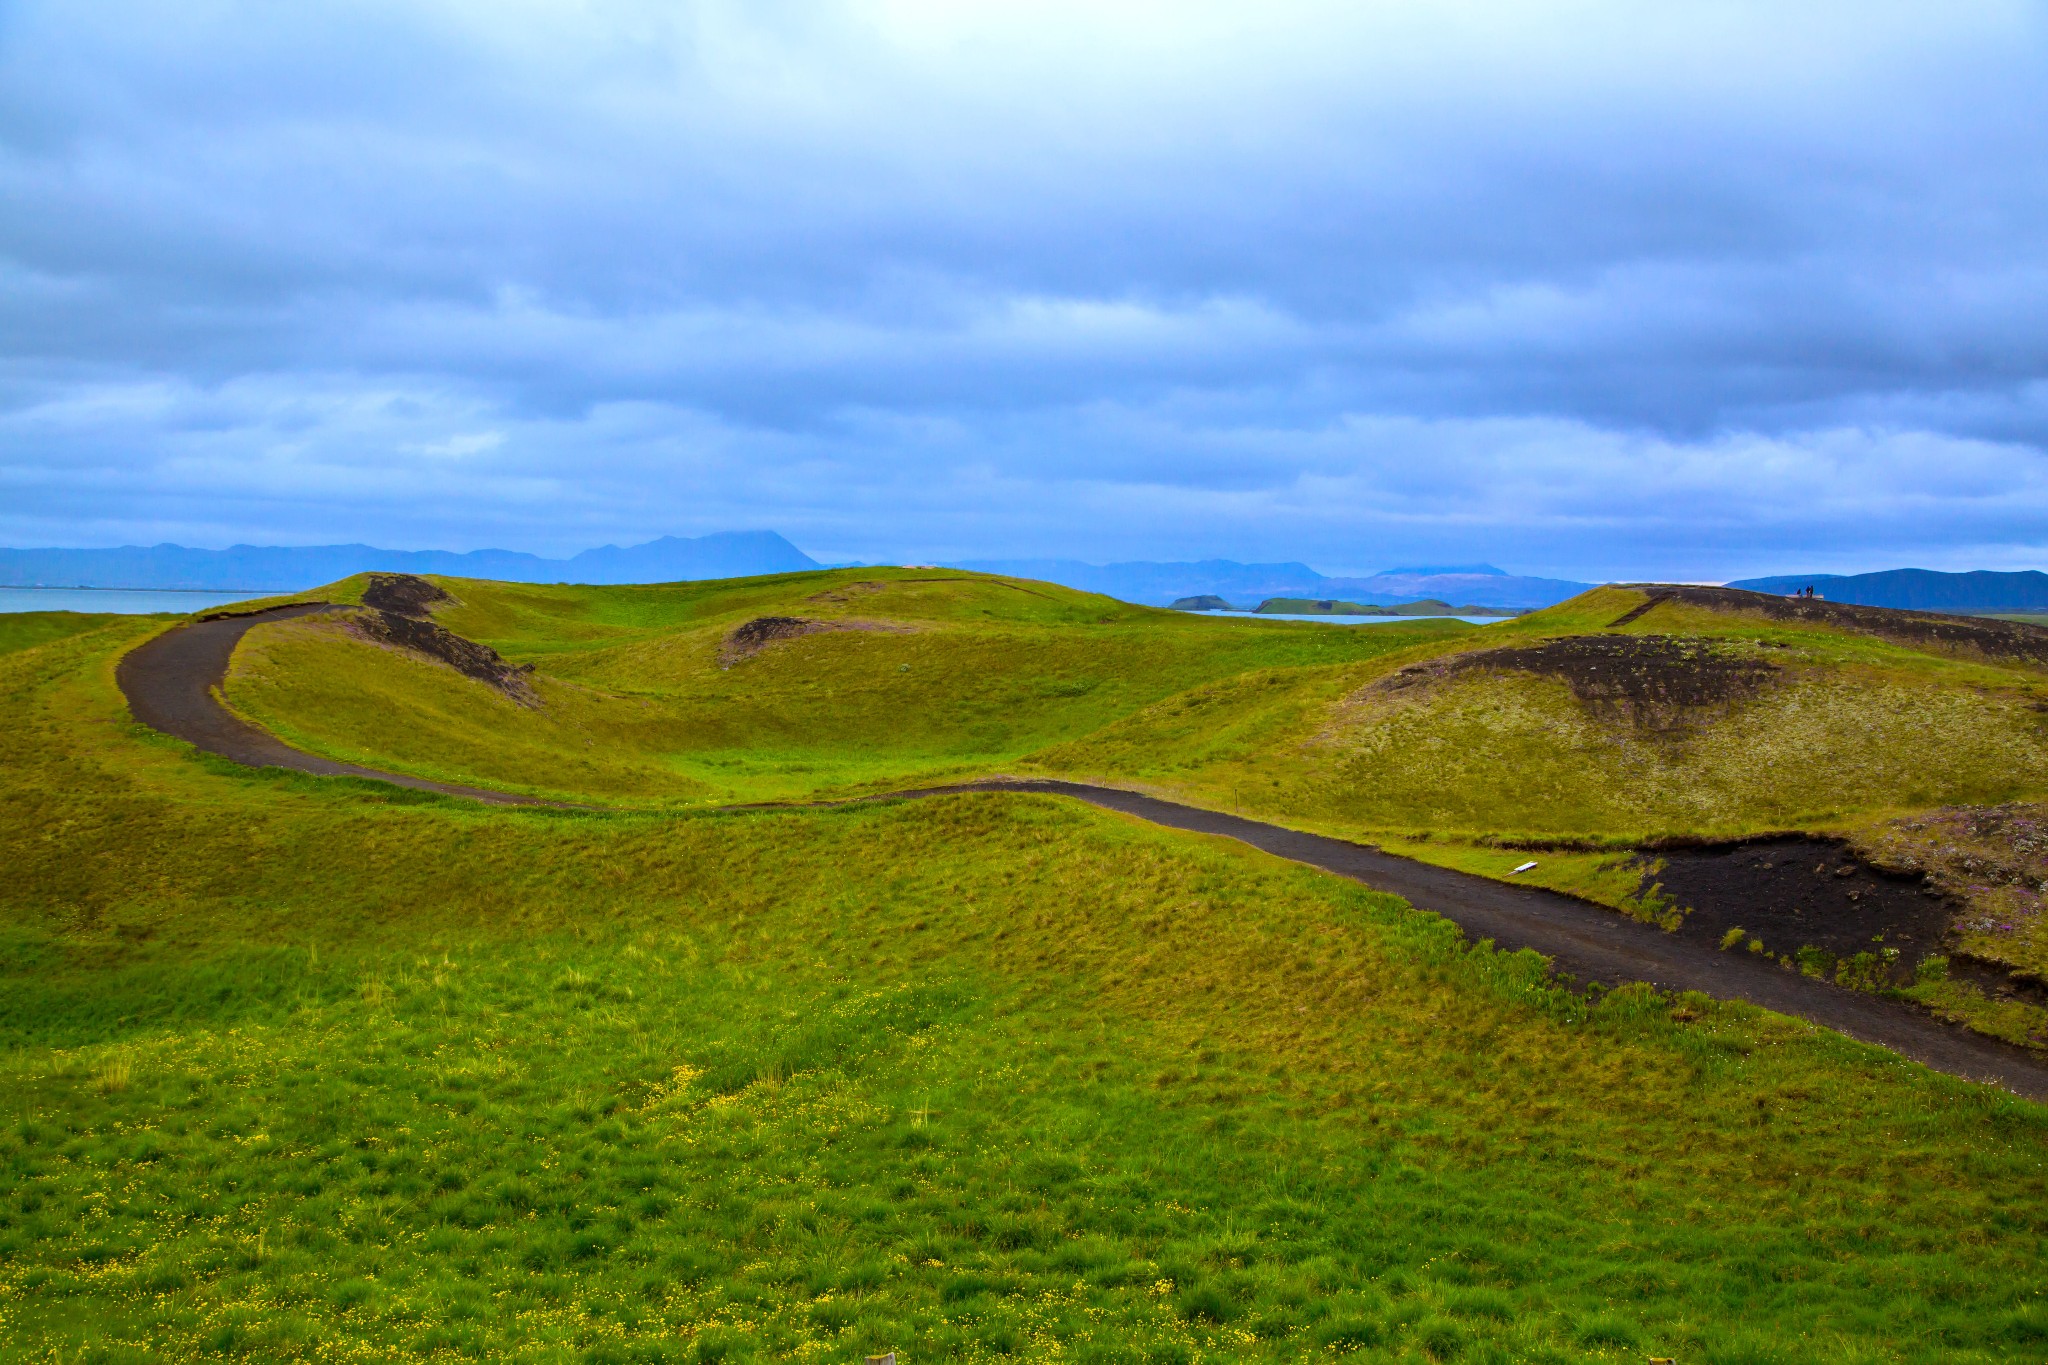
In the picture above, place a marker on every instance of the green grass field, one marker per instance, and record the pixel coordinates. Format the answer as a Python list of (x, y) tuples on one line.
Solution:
[(311, 1069), (1854, 735), (951, 675), (932, 675)]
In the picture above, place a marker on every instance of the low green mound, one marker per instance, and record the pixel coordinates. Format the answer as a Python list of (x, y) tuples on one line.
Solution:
[(1682, 720), (766, 688), (302, 1068)]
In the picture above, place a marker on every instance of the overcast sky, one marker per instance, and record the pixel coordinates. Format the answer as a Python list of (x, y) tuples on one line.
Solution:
[(1596, 290)]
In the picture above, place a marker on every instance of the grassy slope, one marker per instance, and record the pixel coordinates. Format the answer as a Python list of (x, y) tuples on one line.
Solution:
[(1859, 728), (318, 1069), (964, 672), (996, 673), (27, 629), (987, 673), (1860, 732)]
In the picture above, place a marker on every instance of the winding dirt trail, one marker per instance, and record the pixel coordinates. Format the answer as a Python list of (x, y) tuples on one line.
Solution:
[(170, 683)]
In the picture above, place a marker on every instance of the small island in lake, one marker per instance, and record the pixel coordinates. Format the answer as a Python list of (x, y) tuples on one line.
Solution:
[(1324, 606)]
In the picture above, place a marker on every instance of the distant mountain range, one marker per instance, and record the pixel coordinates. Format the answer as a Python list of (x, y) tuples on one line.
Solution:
[(1160, 584), (294, 568), (1920, 589)]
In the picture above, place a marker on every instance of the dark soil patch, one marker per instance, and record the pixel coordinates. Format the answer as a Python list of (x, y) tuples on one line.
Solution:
[(2001, 640), (756, 635), (437, 642), (1655, 680), (1805, 893), (1821, 904), (750, 639), (403, 594)]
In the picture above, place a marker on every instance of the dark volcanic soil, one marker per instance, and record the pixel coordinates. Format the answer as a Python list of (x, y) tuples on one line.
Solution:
[(751, 638), (1795, 893), (403, 594), (2003, 640), (1656, 680), (756, 635), (396, 611), (465, 656)]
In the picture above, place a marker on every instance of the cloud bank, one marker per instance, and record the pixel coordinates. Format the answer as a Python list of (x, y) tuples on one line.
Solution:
[(1589, 290)]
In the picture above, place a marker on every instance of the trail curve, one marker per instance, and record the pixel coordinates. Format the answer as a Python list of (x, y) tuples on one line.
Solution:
[(171, 683)]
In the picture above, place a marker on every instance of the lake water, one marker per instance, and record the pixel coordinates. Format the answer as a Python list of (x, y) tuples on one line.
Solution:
[(120, 601), (1350, 620), (142, 601)]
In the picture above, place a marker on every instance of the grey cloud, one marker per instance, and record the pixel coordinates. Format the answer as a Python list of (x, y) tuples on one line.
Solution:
[(928, 280)]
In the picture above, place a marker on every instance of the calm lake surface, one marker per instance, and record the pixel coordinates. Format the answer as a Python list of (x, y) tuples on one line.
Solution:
[(142, 601), (1351, 620), (121, 601)]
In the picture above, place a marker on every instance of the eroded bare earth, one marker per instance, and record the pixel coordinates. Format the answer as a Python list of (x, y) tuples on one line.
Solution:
[(1653, 681), (1993, 861), (394, 614), (1817, 897), (751, 637), (437, 642), (403, 594)]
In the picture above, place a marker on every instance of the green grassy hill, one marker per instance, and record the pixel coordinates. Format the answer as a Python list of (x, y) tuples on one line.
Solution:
[(312, 1069), (1817, 728), (906, 676), (1612, 721), (1604, 723)]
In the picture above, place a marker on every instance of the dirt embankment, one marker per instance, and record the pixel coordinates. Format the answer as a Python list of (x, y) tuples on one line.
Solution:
[(2000, 640), (1794, 894), (751, 637), (746, 640), (1992, 863), (1869, 913), (404, 594), (394, 613), (1655, 682)]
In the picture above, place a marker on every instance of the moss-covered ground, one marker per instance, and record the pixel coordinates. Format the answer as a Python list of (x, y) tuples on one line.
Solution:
[(1852, 729), (314, 1069), (1854, 736), (939, 675), (929, 675)]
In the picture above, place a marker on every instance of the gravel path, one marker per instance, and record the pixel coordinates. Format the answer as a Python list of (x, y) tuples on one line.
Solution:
[(172, 684), (171, 681), (1589, 941)]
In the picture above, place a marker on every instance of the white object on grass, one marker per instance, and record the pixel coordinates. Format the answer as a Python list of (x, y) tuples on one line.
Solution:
[(1523, 868)]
